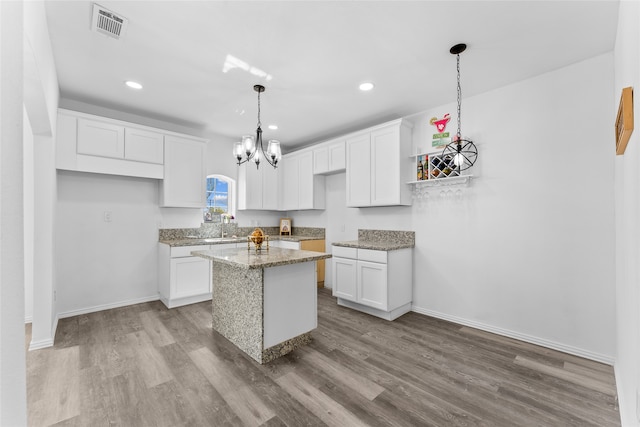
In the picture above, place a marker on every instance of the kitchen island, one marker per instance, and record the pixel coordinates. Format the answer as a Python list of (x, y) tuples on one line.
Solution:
[(264, 302)]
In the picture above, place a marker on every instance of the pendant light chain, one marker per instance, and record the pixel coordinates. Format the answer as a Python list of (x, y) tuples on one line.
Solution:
[(459, 154), (259, 124), (459, 98)]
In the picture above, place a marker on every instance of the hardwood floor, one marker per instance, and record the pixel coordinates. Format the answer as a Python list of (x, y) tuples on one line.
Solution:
[(145, 365)]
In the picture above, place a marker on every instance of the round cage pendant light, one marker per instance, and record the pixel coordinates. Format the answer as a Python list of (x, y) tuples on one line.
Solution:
[(251, 148), (460, 154)]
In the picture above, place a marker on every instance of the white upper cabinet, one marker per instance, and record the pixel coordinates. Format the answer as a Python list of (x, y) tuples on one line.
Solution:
[(270, 187), (258, 189), (290, 170), (359, 170), (184, 173), (144, 146), (379, 166), (301, 189), (89, 143), (97, 138), (329, 157)]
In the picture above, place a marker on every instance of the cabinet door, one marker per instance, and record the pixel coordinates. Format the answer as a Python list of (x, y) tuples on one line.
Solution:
[(184, 178), (321, 160), (344, 276), (249, 186), (337, 157), (189, 277), (305, 181), (143, 146), (270, 190), (385, 164), (100, 139), (372, 284), (358, 171), (290, 185)]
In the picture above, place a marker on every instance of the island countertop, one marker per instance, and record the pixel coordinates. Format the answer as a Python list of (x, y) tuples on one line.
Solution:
[(249, 259)]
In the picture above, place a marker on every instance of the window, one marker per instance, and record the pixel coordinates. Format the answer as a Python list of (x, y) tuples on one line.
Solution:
[(221, 194)]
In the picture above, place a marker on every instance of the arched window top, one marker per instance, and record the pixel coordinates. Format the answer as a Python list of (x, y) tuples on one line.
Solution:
[(221, 194)]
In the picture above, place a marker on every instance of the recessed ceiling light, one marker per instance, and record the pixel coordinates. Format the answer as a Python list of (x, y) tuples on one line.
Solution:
[(366, 86), (273, 127), (133, 85)]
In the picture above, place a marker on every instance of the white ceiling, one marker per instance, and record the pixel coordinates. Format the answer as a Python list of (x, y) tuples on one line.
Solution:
[(317, 53)]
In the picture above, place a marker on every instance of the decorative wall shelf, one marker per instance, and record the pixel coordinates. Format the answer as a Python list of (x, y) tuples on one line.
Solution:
[(624, 120), (450, 180)]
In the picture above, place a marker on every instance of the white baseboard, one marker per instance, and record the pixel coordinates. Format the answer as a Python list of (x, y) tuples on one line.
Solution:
[(609, 360), (102, 307), (37, 345), (28, 319)]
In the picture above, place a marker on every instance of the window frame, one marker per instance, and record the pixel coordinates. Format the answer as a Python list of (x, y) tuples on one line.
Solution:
[(231, 192)]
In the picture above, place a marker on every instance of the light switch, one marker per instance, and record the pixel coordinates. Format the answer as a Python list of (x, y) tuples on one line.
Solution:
[(107, 216)]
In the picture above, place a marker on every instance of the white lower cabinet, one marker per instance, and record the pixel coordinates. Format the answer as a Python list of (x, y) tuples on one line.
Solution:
[(183, 279), (372, 286), (188, 277), (344, 278), (375, 282)]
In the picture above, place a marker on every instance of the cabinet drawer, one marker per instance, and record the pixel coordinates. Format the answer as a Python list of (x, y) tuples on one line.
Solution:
[(184, 251), (342, 252), (372, 256)]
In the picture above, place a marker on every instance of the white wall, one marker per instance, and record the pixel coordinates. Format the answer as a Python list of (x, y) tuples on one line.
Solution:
[(534, 233), (13, 396), (627, 73), (29, 209), (41, 101), (103, 264)]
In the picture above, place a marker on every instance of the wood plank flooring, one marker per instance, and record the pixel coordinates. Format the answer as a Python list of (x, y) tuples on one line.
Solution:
[(145, 365)]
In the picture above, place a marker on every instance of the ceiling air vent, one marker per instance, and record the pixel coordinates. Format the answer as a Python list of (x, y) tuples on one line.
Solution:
[(108, 23)]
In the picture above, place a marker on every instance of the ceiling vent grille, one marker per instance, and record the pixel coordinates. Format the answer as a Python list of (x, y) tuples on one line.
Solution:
[(108, 23)]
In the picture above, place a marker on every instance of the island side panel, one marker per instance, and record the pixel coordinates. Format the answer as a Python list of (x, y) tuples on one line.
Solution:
[(237, 306), (290, 302)]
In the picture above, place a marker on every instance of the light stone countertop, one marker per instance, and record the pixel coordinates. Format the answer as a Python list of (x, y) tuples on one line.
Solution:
[(374, 245), (381, 240), (196, 241), (249, 259)]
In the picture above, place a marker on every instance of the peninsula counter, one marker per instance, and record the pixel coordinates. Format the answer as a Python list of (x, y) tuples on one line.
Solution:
[(266, 302)]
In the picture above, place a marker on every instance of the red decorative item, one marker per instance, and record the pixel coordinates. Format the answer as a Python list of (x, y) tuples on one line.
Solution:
[(440, 124)]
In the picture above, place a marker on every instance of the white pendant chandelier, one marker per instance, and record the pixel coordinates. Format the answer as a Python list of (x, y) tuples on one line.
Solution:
[(460, 154), (251, 148)]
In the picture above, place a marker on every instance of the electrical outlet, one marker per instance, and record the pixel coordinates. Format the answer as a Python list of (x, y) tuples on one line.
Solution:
[(107, 216), (342, 228), (55, 295)]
